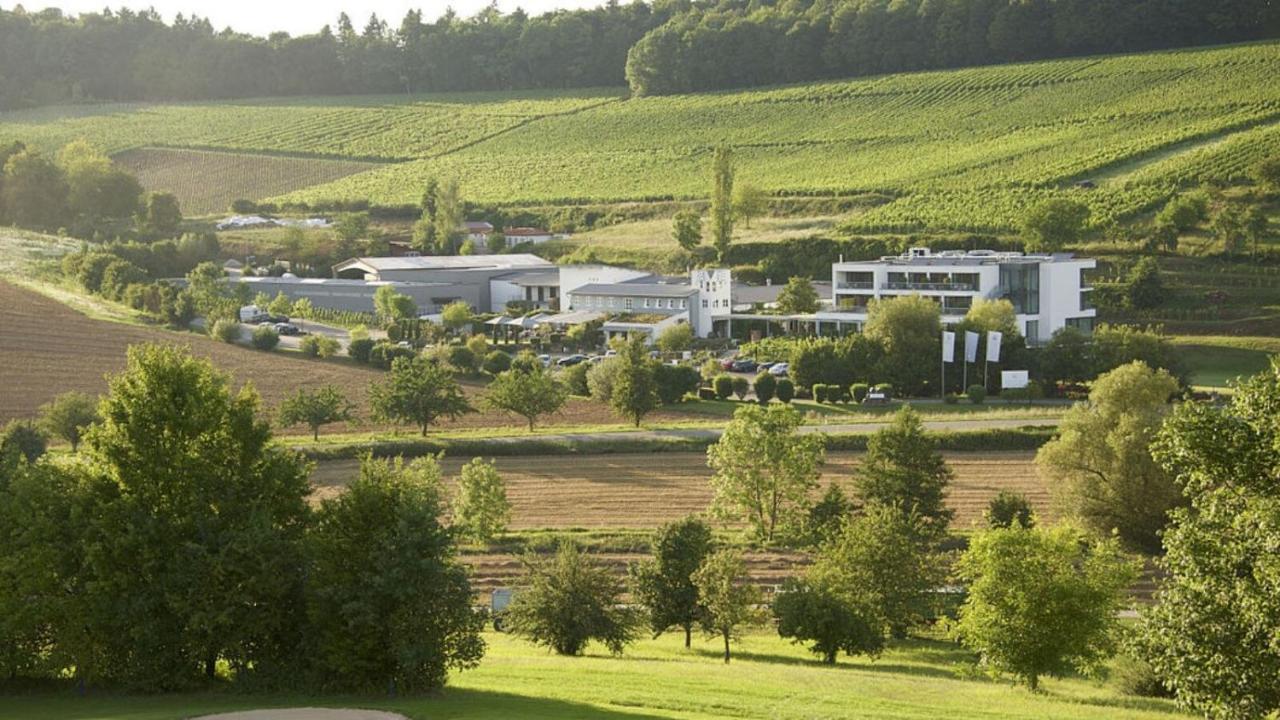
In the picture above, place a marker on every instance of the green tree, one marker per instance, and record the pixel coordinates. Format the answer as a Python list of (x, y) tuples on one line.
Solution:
[(24, 439), (530, 394), (161, 215), (903, 469), (765, 469), (1184, 212), (727, 597), (480, 508), (97, 190), (1100, 466), (1212, 632), (1042, 602), (418, 391), (315, 409), (1068, 357), (448, 217), (207, 287), (798, 297), (1267, 173), (1007, 509), (1054, 224), (264, 338), (34, 192), (389, 603), (569, 601), (634, 391), (202, 530), (664, 585), (392, 306), (986, 315), (810, 612), (351, 227), (764, 386), (68, 416), (749, 202), (908, 329), (280, 305), (828, 516), (1229, 227), (495, 243), (676, 338), (456, 315), (722, 202), (884, 560), (686, 228), (1145, 290)]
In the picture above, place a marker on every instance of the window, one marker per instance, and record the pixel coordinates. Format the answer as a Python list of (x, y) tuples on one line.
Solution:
[(683, 305), (704, 303), (1020, 284), (1033, 330), (627, 303), (1086, 299), (1084, 325), (646, 302), (670, 303)]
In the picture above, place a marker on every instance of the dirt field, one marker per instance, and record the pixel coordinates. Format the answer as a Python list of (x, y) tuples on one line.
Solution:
[(645, 490), (47, 349)]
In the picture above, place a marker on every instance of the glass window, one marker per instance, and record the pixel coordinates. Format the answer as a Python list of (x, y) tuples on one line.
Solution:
[(1020, 285), (628, 303), (1033, 330)]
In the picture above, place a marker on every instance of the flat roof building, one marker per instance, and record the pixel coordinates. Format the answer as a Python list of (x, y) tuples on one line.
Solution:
[(468, 275)]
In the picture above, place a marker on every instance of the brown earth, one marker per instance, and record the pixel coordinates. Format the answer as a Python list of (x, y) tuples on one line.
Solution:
[(47, 349)]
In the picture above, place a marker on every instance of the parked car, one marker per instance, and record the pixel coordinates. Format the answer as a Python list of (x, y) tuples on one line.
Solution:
[(545, 360), (780, 369), (285, 328), (764, 366), (876, 397), (727, 363), (571, 360), (746, 365)]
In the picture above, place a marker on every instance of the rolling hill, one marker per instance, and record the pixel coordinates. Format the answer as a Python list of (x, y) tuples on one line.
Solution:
[(950, 150)]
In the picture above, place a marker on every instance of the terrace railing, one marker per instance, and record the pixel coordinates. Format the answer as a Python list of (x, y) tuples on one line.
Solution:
[(941, 287)]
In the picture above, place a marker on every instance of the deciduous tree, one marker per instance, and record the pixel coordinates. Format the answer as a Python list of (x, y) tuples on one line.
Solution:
[(798, 297), (903, 469), (686, 228), (418, 391), (1054, 224), (530, 394), (68, 416), (480, 508), (722, 202), (664, 585), (315, 409), (727, 597)]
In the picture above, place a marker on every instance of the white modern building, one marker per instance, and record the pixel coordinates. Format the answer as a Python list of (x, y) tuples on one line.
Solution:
[(1048, 292), (453, 277), (648, 303)]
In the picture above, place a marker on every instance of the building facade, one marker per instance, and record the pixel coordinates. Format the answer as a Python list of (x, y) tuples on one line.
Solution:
[(1048, 292)]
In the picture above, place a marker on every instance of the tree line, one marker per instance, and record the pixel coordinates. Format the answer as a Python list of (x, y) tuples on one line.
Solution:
[(660, 47)]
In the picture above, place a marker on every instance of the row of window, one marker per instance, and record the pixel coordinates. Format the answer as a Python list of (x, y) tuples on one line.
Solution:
[(715, 304), (597, 301)]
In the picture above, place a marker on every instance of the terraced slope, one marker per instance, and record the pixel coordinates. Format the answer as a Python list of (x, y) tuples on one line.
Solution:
[(964, 149)]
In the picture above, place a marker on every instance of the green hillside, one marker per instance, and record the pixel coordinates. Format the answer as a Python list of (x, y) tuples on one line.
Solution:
[(964, 149)]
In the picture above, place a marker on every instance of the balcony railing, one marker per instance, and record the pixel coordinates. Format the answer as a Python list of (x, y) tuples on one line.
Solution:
[(855, 286), (944, 287)]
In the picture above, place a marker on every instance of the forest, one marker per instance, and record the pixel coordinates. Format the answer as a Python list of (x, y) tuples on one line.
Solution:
[(667, 46)]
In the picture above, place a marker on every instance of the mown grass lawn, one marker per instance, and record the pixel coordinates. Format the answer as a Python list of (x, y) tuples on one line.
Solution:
[(769, 678), (1216, 361)]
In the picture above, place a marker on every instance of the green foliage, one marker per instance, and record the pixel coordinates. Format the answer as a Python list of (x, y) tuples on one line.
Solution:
[(496, 362), (664, 585), (1145, 290), (1042, 602), (723, 386), (23, 439), (765, 387), (828, 516), (160, 215), (455, 315), (722, 202), (749, 202), (391, 305), (265, 338), (575, 379), (1266, 172), (530, 394), (786, 390), (417, 391), (741, 386), (227, 331), (674, 382), (462, 359), (903, 470), (315, 409), (634, 393), (1008, 509), (34, 192), (1100, 467), (676, 338), (1212, 633), (1133, 675), (1184, 212), (798, 297), (686, 229), (1054, 224), (908, 329), (480, 509), (389, 604), (569, 601), (318, 345), (360, 348), (727, 598), (977, 394), (67, 416), (812, 613), (765, 469)]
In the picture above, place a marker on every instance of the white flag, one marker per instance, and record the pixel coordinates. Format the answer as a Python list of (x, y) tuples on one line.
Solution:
[(948, 346), (993, 345), (970, 346)]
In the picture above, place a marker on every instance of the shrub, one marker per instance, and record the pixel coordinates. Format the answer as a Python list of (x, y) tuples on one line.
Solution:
[(264, 338), (951, 398), (575, 378), (786, 390), (859, 391), (601, 377), (885, 388), (741, 387), (360, 348), (319, 346), (723, 385), (765, 386), (496, 362), (976, 394), (819, 393), (463, 359), (1008, 508), (1135, 676), (23, 438), (228, 331), (829, 622), (675, 381), (384, 353)]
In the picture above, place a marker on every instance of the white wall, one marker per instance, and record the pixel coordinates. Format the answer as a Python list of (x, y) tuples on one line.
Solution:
[(715, 287), (573, 277)]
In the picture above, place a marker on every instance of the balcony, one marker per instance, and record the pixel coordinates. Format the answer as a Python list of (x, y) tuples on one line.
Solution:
[(932, 287), (855, 286)]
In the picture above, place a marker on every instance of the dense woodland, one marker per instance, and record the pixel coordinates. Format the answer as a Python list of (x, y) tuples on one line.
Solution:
[(661, 47)]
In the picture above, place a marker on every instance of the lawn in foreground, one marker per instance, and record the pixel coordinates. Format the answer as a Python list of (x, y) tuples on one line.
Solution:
[(769, 678)]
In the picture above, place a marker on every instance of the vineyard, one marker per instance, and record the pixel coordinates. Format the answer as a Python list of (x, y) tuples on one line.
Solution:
[(957, 150)]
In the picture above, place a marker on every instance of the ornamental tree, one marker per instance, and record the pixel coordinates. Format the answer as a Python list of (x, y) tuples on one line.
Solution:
[(664, 585), (418, 391)]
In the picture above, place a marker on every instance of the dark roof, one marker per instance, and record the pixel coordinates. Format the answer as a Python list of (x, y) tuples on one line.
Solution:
[(637, 290), (532, 278)]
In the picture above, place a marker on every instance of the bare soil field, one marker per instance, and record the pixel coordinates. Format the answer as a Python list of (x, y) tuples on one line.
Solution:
[(47, 349), (642, 491), (208, 182)]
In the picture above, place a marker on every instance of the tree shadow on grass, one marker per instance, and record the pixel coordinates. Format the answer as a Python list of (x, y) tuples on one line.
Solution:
[(1128, 703), (813, 661), (466, 704)]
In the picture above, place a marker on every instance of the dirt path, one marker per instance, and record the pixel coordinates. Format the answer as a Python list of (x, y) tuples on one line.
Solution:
[(305, 714)]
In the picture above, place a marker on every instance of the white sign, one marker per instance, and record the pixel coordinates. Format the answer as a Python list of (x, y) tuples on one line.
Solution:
[(948, 346), (970, 346), (993, 345), (1013, 379)]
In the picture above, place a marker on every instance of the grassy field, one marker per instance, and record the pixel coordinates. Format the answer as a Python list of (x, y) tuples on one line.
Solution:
[(962, 150), (768, 678), (208, 182)]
